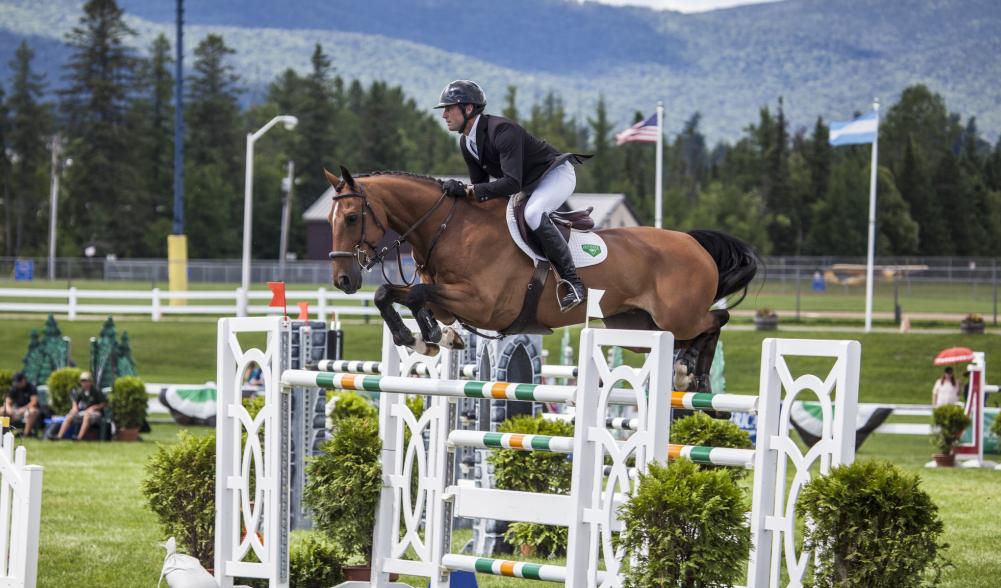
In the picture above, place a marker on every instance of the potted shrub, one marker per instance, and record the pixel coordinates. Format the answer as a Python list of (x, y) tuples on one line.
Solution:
[(534, 471), (342, 491), (684, 527), (871, 525), (950, 422), (180, 489), (128, 403), (314, 560), (765, 319), (61, 383), (973, 324)]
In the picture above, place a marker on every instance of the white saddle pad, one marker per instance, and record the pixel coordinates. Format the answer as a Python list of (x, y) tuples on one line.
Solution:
[(586, 248)]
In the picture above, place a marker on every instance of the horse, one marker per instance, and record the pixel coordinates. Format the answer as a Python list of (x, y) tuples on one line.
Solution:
[(471, 271)]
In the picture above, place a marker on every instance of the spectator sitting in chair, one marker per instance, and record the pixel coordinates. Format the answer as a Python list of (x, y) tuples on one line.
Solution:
[(88, 407), (21, 403)]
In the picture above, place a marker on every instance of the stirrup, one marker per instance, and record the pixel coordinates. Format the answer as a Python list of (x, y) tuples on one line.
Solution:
[(578, 299)]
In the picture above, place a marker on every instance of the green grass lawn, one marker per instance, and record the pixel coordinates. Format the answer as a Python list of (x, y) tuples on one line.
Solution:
[(896, 368), (97, 532)]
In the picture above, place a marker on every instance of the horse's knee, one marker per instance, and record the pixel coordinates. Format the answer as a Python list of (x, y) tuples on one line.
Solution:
[(384, 297)]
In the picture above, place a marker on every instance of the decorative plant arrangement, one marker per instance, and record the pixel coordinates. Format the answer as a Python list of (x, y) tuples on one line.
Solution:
[(950, 421)]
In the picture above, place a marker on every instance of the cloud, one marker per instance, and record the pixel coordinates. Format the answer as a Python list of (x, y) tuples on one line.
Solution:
[(683, 5)]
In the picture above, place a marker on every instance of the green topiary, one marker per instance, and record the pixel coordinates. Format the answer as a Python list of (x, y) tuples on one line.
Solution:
[(684, 527), (61, 382), (534, 471), (872, 526), (351, 404), (180, 488), (343, 485), (950, 422), (703, 430), (128, 402), (314, 561)]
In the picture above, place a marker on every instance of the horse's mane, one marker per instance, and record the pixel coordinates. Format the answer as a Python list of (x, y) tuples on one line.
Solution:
[(407, 174)]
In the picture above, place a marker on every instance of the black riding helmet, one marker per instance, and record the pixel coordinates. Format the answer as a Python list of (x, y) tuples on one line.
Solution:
[(463, 92)]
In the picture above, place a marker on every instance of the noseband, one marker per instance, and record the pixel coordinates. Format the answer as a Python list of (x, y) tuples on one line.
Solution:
[(367, 261)]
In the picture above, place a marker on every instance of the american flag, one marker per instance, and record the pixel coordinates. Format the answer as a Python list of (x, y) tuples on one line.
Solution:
[(641, 132)]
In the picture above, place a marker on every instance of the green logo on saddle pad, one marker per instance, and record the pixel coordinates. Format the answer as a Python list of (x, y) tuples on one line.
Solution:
[(591, 249)]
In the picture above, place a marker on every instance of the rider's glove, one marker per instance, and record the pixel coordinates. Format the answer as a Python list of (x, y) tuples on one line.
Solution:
[(454, 188)]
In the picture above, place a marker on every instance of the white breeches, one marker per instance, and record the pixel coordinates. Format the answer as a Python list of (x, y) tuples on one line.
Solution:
[(552, 192)]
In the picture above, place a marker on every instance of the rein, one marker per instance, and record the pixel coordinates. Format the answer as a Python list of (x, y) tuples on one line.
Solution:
[(367, 262)]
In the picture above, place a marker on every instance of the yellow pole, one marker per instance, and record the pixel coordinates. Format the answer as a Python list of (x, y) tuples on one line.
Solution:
[(177, 266)]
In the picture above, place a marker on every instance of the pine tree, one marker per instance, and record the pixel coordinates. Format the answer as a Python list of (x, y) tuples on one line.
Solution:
[(318, 139), (100, 208), (775, 184), (934, 236), (7, 236), (214, 153), (152, 118), (896, 231), (603, 165), (30, 126)]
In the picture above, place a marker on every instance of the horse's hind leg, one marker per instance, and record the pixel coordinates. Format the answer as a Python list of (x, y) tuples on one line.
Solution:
[(704, 349)]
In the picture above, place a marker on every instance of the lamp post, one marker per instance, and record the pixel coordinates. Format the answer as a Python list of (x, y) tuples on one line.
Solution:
[(58, 165), (248, 199)]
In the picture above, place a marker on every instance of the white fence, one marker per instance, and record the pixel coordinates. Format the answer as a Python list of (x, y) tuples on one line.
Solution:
[(156, 303), (20, 514)]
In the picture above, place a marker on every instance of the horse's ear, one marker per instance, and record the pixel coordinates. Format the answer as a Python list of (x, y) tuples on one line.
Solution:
[(334, 180), (346, 176)]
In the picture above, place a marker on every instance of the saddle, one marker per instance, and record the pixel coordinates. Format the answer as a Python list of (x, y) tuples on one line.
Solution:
[(565, 222)]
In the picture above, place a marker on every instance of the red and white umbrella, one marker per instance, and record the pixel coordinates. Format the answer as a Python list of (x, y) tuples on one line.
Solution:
[(954, 355)]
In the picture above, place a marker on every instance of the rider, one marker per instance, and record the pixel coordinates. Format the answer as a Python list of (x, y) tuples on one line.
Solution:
[(496, 147)]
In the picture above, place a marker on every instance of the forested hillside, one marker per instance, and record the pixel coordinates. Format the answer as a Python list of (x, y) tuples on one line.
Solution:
[(777, 184), (824, 57)]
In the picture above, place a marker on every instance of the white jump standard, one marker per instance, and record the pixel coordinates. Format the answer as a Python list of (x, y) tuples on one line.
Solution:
[(413, 529)]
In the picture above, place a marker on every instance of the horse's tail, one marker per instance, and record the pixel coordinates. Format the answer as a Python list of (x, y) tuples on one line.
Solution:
[(737, 261)]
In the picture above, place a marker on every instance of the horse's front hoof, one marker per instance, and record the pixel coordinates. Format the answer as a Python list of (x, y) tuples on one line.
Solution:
[(428, 349)]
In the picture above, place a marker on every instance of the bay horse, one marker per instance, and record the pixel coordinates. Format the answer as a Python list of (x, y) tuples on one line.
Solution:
[(471, 271)]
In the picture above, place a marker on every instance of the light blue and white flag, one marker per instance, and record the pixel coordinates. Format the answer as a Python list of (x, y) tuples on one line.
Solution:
[(860, 131)]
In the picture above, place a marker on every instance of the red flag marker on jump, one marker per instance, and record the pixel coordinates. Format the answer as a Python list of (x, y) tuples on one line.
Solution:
[(303, 311), (278, 296)]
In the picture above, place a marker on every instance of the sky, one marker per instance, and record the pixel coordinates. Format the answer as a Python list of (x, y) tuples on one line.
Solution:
[(684, 5)]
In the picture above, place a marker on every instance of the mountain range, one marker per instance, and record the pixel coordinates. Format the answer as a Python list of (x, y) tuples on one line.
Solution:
[(822, 57)]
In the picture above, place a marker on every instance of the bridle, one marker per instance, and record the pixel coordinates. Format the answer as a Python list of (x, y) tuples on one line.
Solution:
[(367, 261)]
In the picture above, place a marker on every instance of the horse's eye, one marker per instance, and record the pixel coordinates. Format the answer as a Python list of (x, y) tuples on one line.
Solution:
[(351, 219)]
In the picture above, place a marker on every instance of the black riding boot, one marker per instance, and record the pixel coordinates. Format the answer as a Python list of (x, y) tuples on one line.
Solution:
[(556, 250)]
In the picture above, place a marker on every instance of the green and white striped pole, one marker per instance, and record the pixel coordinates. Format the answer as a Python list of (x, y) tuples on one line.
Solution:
[(724, 456), (518, 441), (430, 387)]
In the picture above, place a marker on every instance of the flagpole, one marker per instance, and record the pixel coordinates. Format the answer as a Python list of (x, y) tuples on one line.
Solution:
[(658, 219), (872, 222)]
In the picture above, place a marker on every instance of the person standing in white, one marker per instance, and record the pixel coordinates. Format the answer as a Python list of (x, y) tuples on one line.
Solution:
[(495, 147), (945, 391)]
